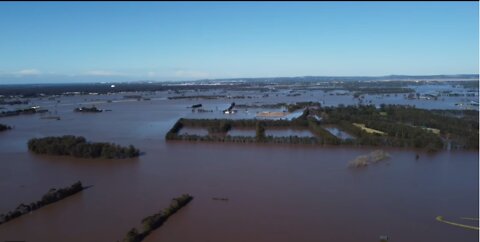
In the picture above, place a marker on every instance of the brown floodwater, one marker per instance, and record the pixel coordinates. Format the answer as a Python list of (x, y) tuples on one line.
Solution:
[(276, 192)]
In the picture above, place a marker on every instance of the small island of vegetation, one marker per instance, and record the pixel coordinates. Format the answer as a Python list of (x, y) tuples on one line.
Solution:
[(154, 221), (372, 158), (70, 145), (88, 110), (53, 195)]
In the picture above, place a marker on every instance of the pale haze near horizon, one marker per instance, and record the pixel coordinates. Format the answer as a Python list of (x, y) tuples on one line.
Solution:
[(52, 42)]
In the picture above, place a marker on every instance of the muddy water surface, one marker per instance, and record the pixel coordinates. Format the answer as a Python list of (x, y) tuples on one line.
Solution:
[(276, 192)]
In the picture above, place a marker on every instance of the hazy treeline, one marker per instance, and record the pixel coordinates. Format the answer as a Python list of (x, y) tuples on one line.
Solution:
[(13, 102), (154, 221), (78, 147), (21, 111), (380, 90), (53, 195), (290, 107), (198, 97)]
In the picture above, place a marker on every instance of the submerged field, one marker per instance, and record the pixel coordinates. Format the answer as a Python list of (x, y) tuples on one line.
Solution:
[(388, 126), (276, 192)]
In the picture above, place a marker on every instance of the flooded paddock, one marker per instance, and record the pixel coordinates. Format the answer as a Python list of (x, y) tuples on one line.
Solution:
[(242, 132), (193, 131), (286, 132), (276, 192), (338, 132)]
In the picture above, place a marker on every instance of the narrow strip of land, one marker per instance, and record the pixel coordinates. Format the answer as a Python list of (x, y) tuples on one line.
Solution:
[(440, 219), (154, 221), (51, 196)]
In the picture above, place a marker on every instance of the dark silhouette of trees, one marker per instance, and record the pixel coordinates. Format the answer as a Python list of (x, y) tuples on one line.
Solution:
[(154, 221), (93, 109), (260, 131), (53, 195), (221, 127), (70, 145)]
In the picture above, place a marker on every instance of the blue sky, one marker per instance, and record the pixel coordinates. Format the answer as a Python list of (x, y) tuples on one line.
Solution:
[(168, 41)]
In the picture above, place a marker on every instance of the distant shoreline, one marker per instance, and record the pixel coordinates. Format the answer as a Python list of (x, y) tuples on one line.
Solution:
[(324, 83), (440, 77)]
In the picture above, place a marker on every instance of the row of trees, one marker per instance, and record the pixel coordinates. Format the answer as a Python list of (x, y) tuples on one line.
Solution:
[(78, 147), (53, 195), (215, 138), (222, 127), (249, 139), (404, 126), (237, 123), (154, 221), (260, 131)]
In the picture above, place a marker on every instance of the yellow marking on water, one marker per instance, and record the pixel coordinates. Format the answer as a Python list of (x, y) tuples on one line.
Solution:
[(440, 219), (476, 219)]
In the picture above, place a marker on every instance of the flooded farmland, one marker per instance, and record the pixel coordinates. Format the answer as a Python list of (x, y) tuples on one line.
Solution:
[(275, 192), (283, 132), (239, 122), (193, 131), (242, 132)]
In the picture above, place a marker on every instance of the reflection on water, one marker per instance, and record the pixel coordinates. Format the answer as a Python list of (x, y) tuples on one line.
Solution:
[(193, 131), (242, 132), (280, 132), (337, 132)]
